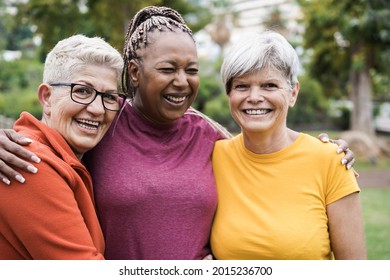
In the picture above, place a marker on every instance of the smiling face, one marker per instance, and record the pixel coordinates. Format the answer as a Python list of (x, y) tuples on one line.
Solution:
[(82, 126), (166, 76), (259, 101)]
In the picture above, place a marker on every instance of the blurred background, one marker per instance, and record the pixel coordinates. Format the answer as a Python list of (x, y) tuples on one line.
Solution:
[(344, 47)]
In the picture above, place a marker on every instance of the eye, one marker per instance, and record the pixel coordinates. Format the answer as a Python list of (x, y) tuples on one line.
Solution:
[(167, 70), (192, 71), (110, 97), (269, 86), (83, 91), (240, 87)]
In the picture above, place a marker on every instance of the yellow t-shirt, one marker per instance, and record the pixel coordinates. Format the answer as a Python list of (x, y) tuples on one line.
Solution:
[(273, 206)]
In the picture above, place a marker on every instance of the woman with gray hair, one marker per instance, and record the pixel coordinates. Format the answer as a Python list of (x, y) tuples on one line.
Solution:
[(282, 194), (52, 215)]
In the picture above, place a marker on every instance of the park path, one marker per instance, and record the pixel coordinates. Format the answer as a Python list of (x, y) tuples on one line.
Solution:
[(374, 178)]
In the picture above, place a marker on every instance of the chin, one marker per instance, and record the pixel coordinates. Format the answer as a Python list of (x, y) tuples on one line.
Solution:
[(255, 129)]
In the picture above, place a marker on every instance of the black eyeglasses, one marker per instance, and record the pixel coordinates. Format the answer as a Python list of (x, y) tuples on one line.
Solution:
[(84, 94)]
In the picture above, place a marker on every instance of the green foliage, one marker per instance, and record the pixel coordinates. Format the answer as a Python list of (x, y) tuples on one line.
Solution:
[(18, 101), (13, 34), (311, 106), (57, 19), (381, 84), (345, 35), (196, 14), (109, 19), (19, 74), (53, 19), (376, 213), (212, 99), (19, 81), (218, 109)]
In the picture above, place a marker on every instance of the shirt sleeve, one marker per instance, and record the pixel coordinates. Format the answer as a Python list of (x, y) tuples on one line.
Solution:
[(42, 219), (341, 182)]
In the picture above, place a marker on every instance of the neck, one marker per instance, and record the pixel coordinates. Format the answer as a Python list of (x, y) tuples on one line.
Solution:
[(267, 143), (139, 109)]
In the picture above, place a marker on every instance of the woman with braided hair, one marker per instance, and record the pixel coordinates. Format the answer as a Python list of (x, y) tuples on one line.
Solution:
[(159, 201), (153, 180)]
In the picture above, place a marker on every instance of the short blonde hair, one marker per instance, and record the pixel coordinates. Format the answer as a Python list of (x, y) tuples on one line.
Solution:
[(72, 54)]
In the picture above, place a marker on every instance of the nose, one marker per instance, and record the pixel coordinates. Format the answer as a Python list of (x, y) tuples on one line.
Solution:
[(256, 95), (96, 107), (180, 79)]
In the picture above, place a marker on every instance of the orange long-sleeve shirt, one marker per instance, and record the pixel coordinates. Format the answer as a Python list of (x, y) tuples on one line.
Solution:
[(51, 215)]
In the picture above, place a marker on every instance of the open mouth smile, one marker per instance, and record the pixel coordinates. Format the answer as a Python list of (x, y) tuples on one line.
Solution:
[(174, 99), (87, 124), (257, 111)]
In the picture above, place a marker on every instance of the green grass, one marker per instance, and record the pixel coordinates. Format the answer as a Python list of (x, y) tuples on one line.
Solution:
[(362, 164), (376, 215)]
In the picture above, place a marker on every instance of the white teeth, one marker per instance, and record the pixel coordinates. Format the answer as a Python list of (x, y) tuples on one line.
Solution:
[(175, 99), (88, 124), (257, 112)]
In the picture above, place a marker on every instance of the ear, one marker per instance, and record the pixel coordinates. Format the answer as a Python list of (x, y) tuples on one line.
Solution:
[(133, 70), (294, 94), (44, 96)]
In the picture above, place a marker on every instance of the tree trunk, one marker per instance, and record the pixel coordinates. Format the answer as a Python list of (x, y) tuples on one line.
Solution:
[(361, 96)]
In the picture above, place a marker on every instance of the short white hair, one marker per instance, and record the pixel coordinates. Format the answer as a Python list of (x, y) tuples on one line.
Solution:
[(71, 55), (257, 51)]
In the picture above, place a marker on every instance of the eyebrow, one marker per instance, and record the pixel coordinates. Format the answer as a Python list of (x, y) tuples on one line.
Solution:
[(173, 62), (86, 83)]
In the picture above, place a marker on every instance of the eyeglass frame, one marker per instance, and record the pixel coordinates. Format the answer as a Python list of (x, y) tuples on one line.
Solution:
[(72, 85)]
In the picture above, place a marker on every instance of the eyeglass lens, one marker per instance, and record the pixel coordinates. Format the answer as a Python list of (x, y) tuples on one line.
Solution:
[(86, 95)]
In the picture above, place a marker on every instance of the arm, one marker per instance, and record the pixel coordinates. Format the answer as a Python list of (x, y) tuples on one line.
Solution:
[(43, 220), (346, 228), (12, 154)]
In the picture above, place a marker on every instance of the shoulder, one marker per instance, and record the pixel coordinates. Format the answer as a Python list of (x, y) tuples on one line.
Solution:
[(311, 142), (321, 153), (201, 121), (228, 145)]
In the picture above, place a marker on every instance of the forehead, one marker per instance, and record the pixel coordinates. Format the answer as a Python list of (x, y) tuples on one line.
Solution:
[(167, 43), (267, 73), (98, 76)]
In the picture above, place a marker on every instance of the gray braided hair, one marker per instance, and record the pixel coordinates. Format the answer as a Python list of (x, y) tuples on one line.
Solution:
[(145, 21)]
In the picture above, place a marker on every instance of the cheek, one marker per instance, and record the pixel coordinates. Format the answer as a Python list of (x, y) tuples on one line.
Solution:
[(195, 81), (65, 110), (109, 117), (234, 101)]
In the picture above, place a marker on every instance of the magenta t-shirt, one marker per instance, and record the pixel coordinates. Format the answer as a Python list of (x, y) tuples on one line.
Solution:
[(154, 187)]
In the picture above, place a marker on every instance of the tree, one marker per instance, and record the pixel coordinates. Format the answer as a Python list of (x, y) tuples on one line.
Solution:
[(57, 19), (348, 40)]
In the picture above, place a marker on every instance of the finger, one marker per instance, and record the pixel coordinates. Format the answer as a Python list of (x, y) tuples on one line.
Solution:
[(16, 137), (8, 161), (4, 179), (10, 173), (350, 164), (9, 151), (324, 137), (343, 146), (356, 174), (348, 158)]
